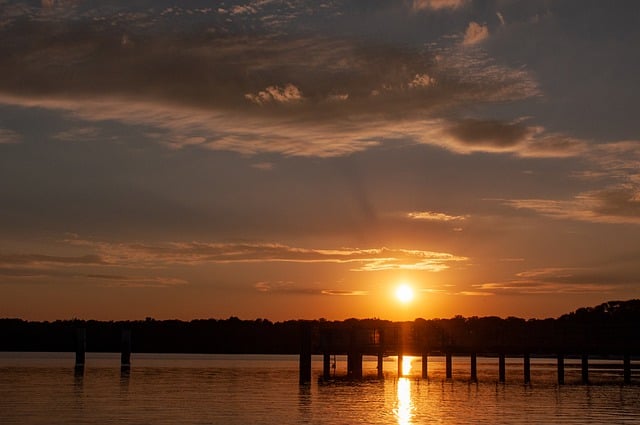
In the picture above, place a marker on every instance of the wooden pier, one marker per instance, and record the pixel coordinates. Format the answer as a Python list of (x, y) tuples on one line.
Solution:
[(400, 341)]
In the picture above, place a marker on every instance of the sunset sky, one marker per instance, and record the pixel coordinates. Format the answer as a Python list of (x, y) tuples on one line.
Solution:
[(302, 158)]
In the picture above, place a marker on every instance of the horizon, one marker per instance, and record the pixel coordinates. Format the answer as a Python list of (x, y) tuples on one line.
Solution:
[(302, 159), (318, 319)]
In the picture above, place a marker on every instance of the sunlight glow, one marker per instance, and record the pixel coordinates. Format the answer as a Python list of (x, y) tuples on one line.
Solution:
[(406, 365), (404, 293)]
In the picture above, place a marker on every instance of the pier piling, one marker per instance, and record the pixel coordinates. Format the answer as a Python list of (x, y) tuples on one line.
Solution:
[(125, 354), (585, 368), (527, 369), (425, 365), (81, 347), (400, 365), (448, 366), (474, 368), (560, 369), (305, 354), (501, 367), (326, 366), (627, 368)]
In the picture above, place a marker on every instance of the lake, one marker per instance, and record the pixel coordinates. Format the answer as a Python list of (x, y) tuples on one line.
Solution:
[(42, 388)]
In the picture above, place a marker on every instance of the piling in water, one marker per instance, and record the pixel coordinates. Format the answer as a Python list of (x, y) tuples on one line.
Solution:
[(425, 365), (560, 369), (305, 354), (527, 368), (627, 368), (502, 367), (474, 368), (326, 366), (81, 347), (585, 368), (125, 354), (448, 366)]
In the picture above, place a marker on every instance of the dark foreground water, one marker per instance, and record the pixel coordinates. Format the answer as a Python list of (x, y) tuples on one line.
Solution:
[(42, 388)]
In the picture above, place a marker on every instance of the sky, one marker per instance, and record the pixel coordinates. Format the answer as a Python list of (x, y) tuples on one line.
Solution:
[(302, 158)]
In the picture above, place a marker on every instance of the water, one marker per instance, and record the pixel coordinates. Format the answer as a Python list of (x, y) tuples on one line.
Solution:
[(42, 388)]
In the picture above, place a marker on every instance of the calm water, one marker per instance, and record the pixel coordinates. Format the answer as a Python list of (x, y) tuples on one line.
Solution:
[(41, 388)]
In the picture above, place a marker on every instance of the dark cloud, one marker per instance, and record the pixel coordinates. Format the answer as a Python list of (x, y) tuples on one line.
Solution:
[(489, 133)]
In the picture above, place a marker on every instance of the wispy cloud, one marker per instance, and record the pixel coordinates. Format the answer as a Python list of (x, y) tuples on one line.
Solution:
[(374, 259), (285, 287), (8, 137), (475, 33), (418, 5), (618, 202), (559, 280), (434, 216)]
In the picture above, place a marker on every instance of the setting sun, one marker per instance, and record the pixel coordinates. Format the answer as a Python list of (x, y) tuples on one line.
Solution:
[(404, 293)]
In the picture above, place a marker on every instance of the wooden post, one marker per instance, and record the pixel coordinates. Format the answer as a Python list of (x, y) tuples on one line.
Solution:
[(358, 365), (81, 347), (125, 355), (326, 366), (502, 367), (448, 366), (560, 369), (305, 353), (474, 368), (354, 356), (585, 369), (425, 365), (627, 368), (380, 353), (527, 368), (400, 361)]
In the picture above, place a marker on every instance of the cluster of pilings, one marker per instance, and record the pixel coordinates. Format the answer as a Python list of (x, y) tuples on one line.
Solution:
[(81, 348)]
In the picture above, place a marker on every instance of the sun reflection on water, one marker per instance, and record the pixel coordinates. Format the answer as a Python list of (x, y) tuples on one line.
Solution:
[(404, 409)]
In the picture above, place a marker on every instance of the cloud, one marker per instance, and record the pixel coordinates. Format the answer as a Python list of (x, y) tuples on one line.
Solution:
[(614, 206), (489, 133), (42, 260), (8, 137), (501, 18), (194, 253), (291, 288), (434, 216), (618, 202), (286, 94), (135, 281), (475, 33), (79, 134), (559, 280), (418, 5), (264, 166), (229, 91)]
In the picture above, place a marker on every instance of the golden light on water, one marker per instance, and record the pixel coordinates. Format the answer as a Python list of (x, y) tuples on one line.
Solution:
[(404, 409)]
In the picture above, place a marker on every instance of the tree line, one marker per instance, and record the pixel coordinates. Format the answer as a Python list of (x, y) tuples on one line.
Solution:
[(607, 329)]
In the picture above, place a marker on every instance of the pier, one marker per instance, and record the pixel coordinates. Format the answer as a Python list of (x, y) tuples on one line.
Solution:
[(406, 339)]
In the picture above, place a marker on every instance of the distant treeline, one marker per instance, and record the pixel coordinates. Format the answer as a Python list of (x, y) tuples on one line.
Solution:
[(610, 328)]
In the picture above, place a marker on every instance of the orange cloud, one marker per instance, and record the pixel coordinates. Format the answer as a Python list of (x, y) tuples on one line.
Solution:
[(475, 33)]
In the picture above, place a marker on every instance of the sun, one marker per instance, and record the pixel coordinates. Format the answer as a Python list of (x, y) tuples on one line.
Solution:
[(404, 293)]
